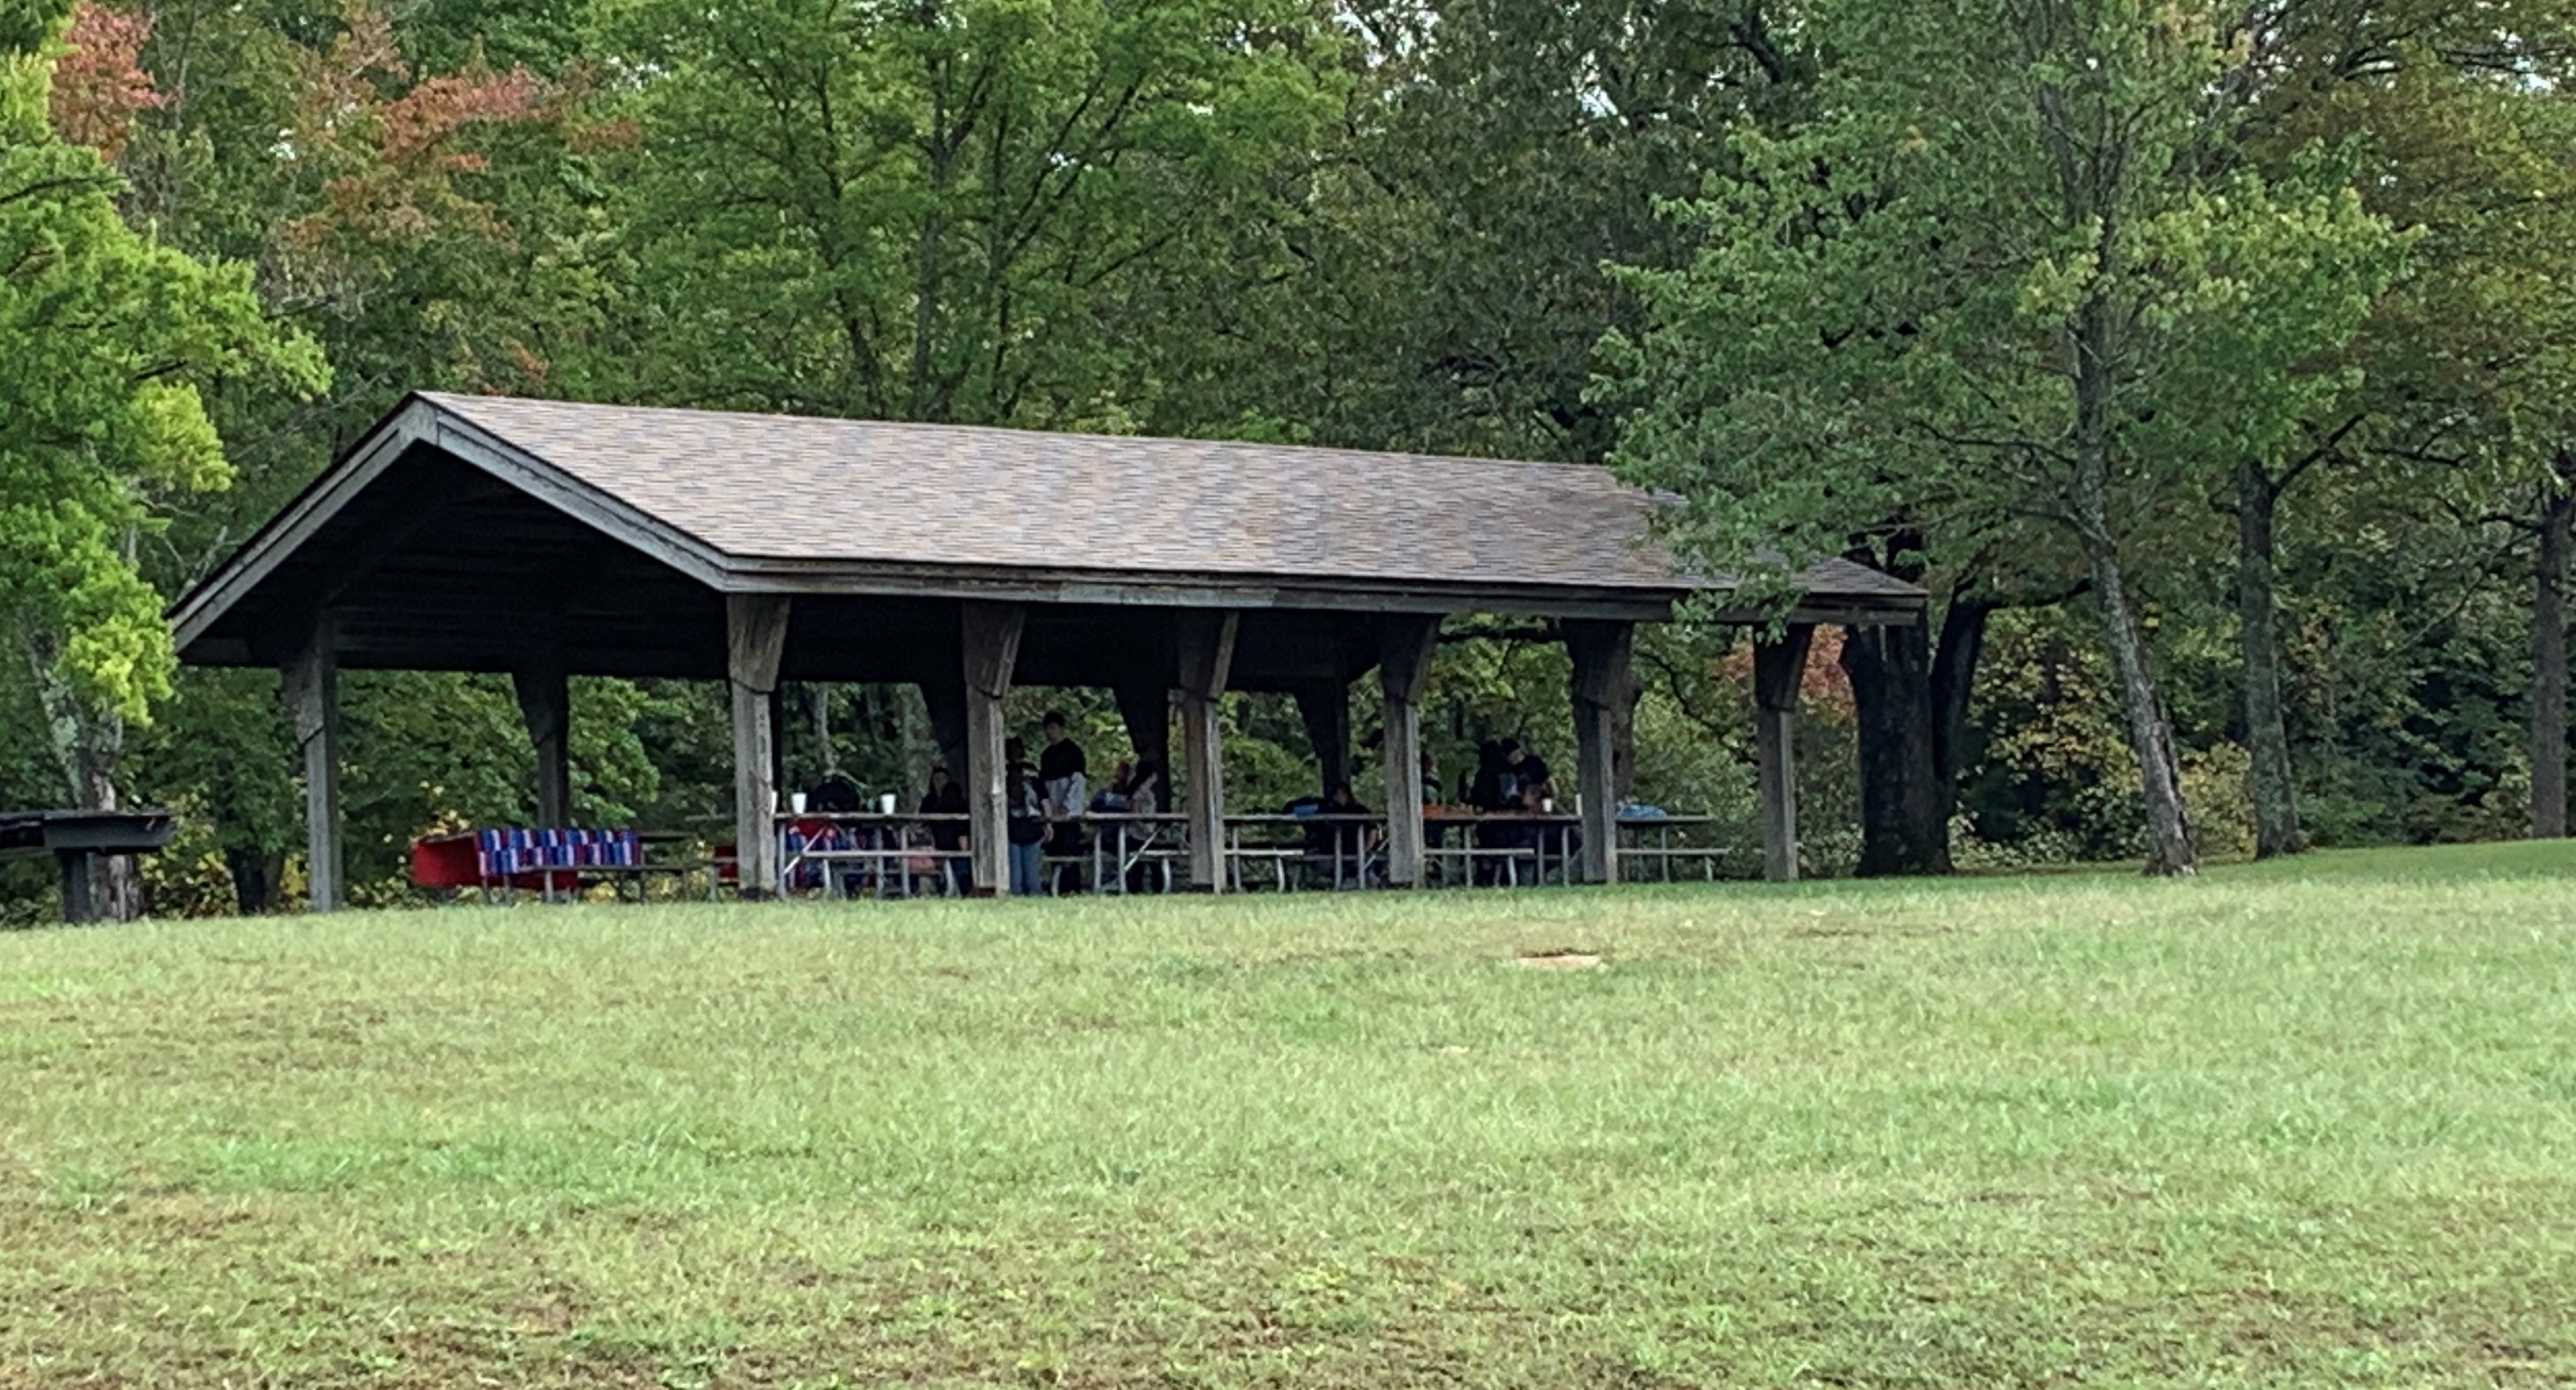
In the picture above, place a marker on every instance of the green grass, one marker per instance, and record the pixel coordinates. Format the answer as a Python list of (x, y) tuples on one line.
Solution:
[(2287, 1125)]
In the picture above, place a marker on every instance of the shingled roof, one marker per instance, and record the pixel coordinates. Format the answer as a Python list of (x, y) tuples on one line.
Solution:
[(746, 502), (792, 488)]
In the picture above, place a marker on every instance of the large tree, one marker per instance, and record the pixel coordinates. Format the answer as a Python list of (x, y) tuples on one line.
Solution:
[(991, 211), (1445, 285), (108, 336), (1987, 294), (424, 225), (2459, 117)]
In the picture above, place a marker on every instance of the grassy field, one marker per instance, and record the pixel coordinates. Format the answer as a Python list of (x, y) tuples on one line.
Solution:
[(2306, 1125)]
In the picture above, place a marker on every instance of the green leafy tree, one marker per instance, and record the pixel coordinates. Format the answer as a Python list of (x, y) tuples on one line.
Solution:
[(984, 211), (425, 221), (108, 336), (2457, 114), (1994, 285), (1445, 285)]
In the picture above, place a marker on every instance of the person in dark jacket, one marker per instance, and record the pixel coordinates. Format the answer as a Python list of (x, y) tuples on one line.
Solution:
[(1026, 827), (1495, 792), (946, 798), (1063, 773)]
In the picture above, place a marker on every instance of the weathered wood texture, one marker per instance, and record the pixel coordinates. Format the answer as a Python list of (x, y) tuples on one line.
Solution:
[(1206, 649), (313, 706), (1405, 644), (1604, 692), (755, 639), (989, 636), (1778, 668), (1325, 706), (79, 841), (545, 704)]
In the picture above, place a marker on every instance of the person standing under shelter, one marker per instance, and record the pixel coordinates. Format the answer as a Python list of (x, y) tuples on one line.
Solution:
[(1025, 802), (1064, 772)]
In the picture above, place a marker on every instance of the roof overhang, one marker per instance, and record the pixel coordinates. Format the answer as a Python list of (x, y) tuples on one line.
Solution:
[(419, 424)]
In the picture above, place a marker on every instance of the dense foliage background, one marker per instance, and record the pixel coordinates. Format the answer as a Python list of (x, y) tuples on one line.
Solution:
[(2207, 361)]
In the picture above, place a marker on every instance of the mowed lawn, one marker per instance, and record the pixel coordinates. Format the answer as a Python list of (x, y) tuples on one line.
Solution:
[(2311, 1126)]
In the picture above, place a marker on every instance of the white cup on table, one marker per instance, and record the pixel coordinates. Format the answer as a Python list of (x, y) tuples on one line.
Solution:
[(796, 802)]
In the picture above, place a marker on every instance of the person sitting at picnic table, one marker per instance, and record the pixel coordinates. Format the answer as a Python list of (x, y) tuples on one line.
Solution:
[(1529, 772), (1485, 789), (1538, 798), (811, 830), (1495, 794), (1024, 799), (1145, 789), (1062, 769), (1145, 798), (835, 795), (1112, 799), (946, 798)]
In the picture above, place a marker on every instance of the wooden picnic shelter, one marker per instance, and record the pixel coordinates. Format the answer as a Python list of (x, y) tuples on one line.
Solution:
[(546, 539)]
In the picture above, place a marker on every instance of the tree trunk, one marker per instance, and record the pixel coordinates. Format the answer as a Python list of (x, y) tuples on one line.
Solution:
[(117, 885), (2549, 665), (1910, 700), (2267, 732), (1905, 821), (87, 745), (254, 873), (2169, 848), (1954, 679), (818, 710)]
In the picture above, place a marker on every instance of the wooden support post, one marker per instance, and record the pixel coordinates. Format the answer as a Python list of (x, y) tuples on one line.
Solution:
[(990, 638), (755, 641), (80, 885), (1207, 658), (1146, 706), (1623, 741), (945, 703), (1778, 669), (313, 706), (1405, 644), (1326, 708), (545, 703), (1602, 652)]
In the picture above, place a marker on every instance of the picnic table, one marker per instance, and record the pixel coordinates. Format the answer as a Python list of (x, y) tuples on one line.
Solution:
[(78, 840), (543, 861), (886, 853)]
